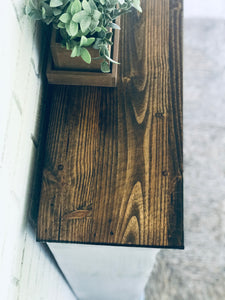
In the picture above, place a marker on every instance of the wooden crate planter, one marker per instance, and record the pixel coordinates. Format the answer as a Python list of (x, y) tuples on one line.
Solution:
[(62, 69), (62, 59)]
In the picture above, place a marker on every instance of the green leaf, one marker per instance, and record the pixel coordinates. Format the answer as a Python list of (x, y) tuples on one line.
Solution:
[(74, 51), (114, 26), (96, 15), (86, 41), (36, 15), (73, 28), (61, 25), (92, 4), (65, 18), (68, 29), (85, 55), (104, 29), (83, 41), (106, 51), (28, 9), (55, 3), (108, 16), (86, 6), (56, 11), (102, 51), (110, 59), (93, 25), (90, 41), (136, 4), (49, 10), (49, 20), (98, 29), (85, 23), (67, 46), (76, 7), (97, 43), (114, 2), (102, 34), (105, 67), (78, 17), (102, 2), (109, 35), (43, 12), (65, 2), (80, 33)]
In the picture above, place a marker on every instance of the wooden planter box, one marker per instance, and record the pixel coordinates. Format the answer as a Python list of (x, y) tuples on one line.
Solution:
[(62, 59), (62, 69)]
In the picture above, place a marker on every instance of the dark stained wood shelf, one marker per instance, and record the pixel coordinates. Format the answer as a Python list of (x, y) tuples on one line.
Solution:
[(113, 162)]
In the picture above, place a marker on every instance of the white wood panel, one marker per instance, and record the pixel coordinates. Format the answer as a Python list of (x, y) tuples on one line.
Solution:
[(26, 268), (105, 272)]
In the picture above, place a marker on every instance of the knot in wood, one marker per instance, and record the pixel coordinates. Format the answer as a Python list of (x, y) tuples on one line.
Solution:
[(159, 115)]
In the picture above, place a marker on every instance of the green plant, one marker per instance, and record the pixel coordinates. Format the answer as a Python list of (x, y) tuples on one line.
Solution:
[(83, 23)]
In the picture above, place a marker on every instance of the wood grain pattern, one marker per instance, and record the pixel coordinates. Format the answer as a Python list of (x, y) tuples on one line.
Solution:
[(113, 166)]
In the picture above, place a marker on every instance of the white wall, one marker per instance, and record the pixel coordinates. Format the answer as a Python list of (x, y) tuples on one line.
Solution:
[(26, 270), (204, 9)]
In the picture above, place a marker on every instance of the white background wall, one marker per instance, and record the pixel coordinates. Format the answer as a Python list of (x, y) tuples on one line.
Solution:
[(26, 270), (204, 9)]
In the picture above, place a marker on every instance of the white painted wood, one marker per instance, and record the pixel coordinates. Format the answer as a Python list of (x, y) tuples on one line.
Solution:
[(27, 271), (105, 272)]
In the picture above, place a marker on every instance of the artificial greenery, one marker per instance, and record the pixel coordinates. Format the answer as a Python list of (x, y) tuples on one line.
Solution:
[(83, 23)]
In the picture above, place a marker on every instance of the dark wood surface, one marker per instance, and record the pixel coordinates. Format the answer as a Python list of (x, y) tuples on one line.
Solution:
[(113, 164)]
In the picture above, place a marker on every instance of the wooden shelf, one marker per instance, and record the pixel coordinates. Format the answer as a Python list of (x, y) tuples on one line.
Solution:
[(113, 162)]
